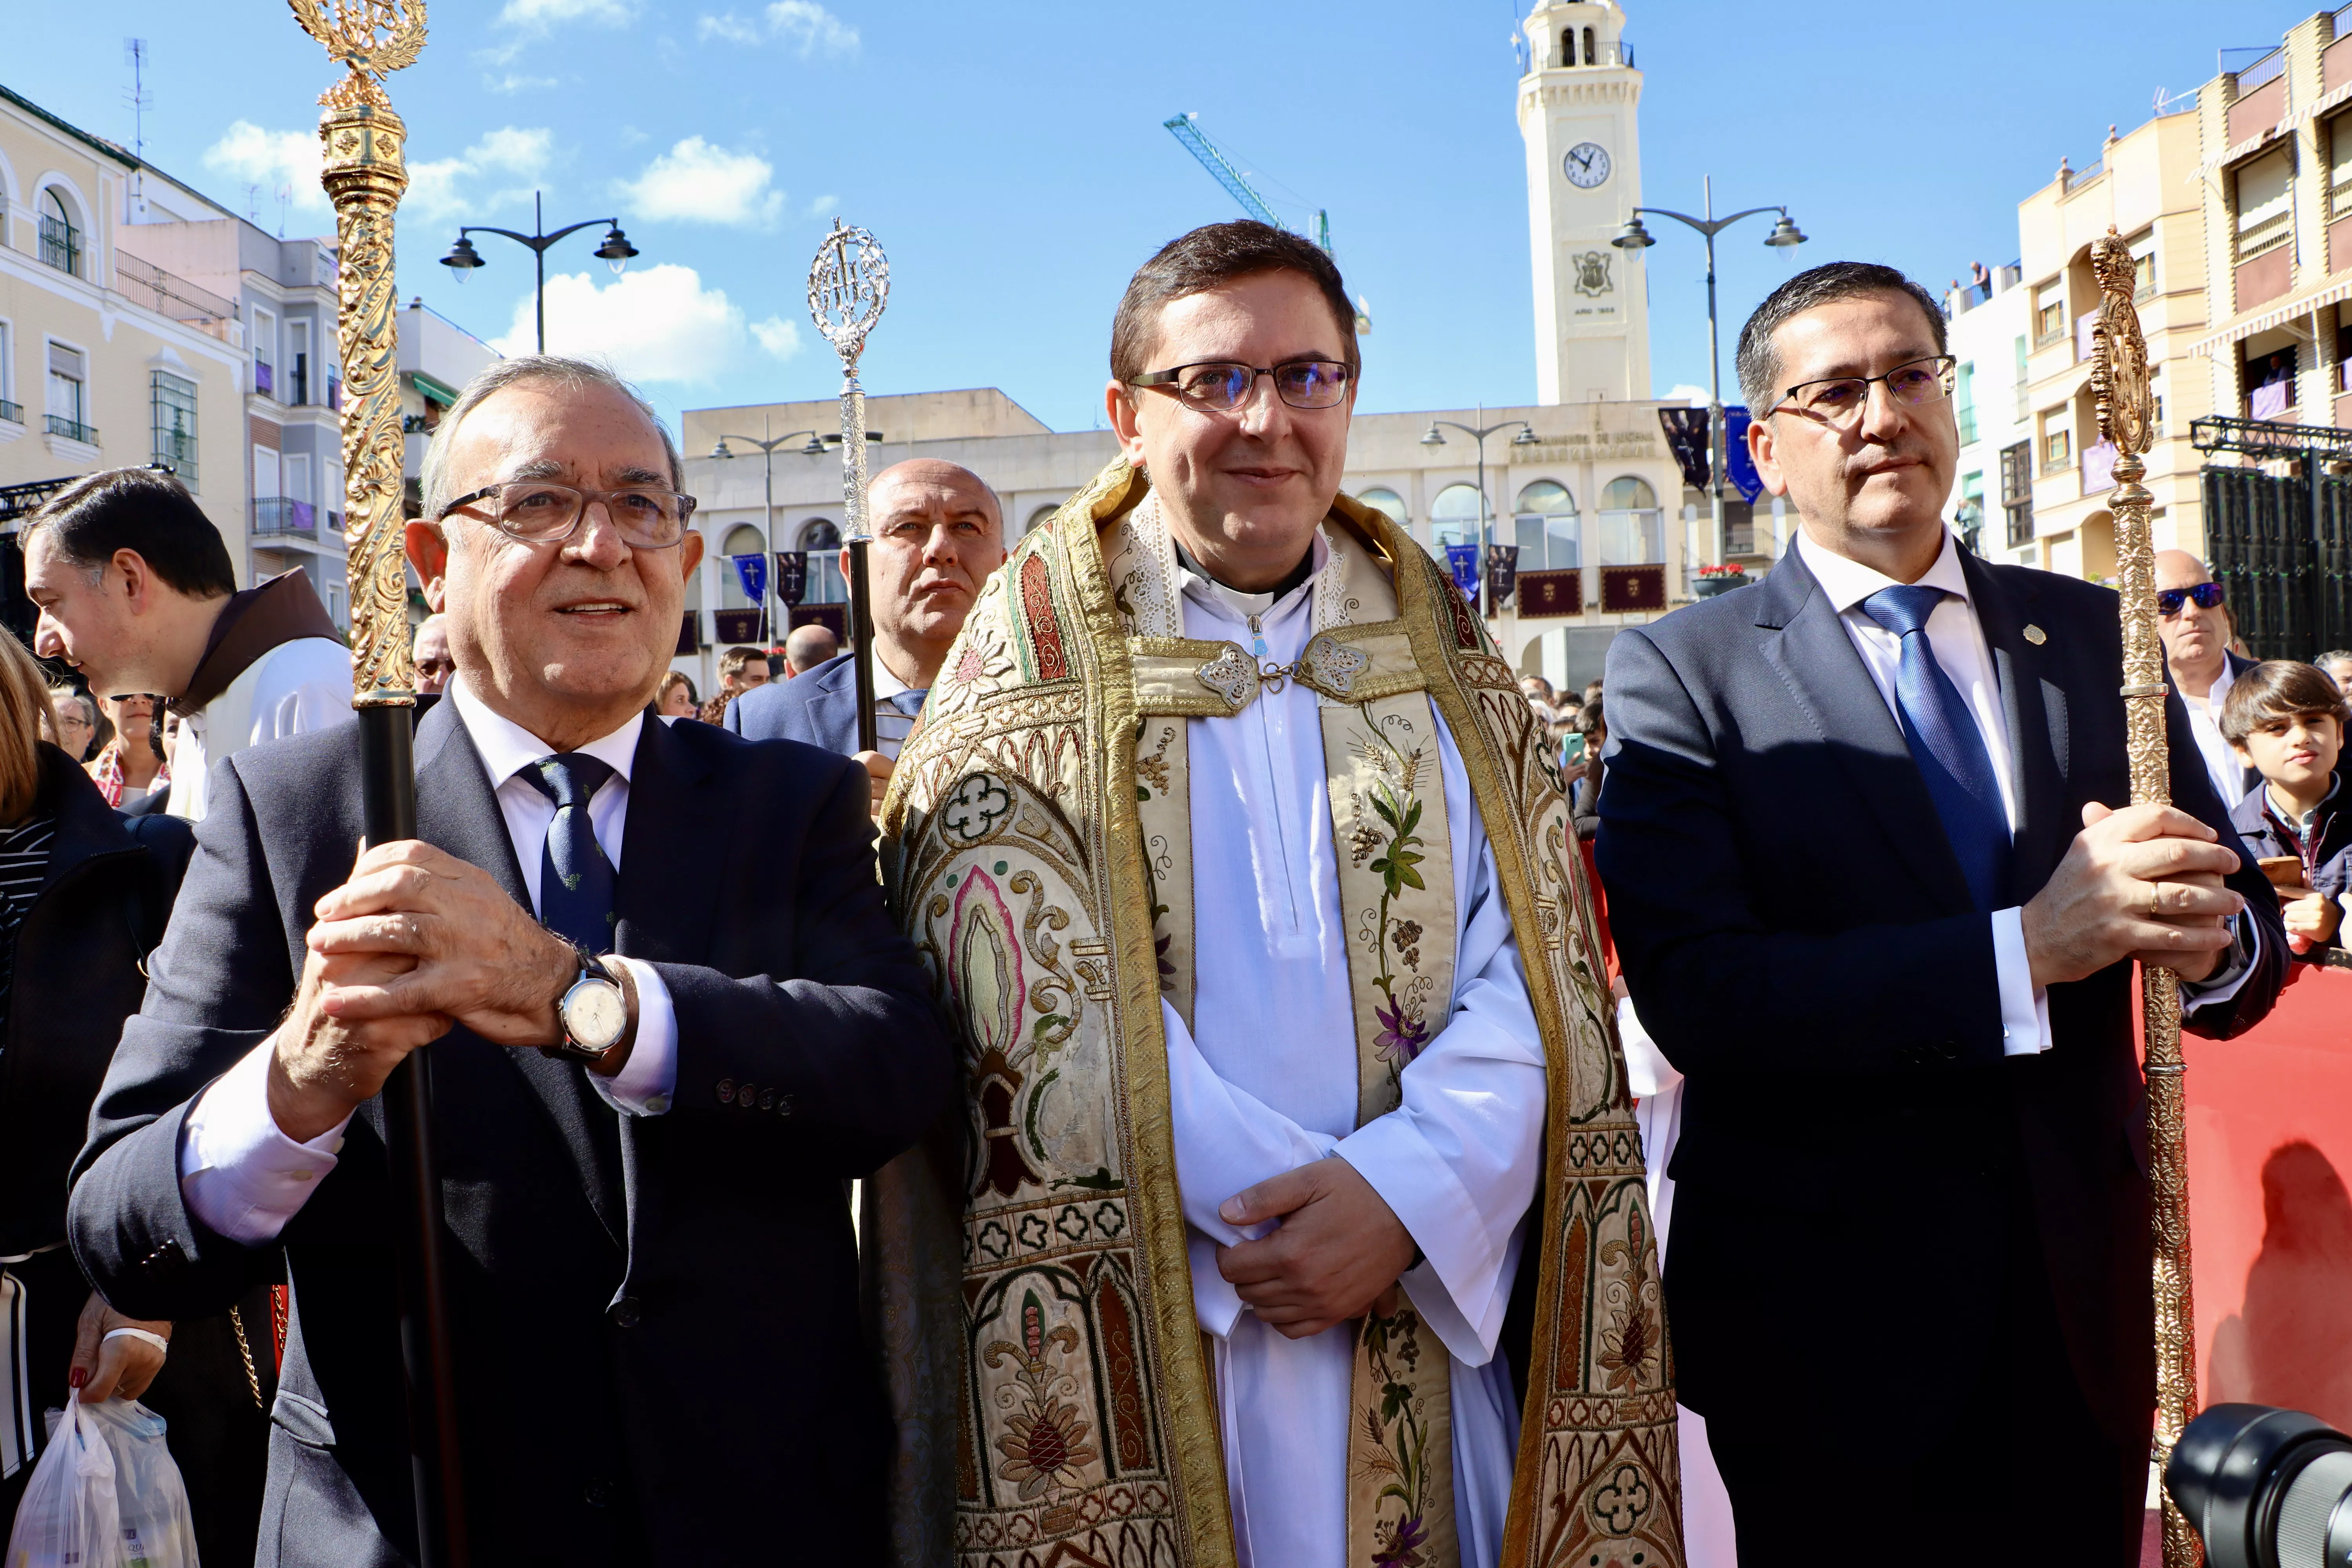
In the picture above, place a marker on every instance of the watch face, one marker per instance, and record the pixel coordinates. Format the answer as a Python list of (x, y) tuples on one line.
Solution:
[(1587, 164), (594, 1014)]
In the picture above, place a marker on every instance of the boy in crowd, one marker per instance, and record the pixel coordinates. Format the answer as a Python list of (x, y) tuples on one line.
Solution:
[(2285, 720)]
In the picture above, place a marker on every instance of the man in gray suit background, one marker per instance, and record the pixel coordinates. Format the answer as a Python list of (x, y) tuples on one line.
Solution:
[(938, 533)]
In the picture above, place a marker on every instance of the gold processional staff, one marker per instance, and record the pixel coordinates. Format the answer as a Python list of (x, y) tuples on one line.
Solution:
[(2119, 381), (365, 176)]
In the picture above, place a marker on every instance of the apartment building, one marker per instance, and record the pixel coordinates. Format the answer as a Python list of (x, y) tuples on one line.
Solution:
[(1989, 334)]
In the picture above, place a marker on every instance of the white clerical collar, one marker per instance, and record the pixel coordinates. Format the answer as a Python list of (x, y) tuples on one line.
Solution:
[(1847, 583), (1207, 591), (507, 748)]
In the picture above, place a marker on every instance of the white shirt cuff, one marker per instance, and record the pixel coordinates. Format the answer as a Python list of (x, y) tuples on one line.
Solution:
[(2025, 1007), (648, 1080), (239, 1173), (2226, 983)]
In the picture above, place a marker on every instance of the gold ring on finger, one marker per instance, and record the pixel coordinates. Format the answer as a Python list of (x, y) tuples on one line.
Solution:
[(2155, 899)]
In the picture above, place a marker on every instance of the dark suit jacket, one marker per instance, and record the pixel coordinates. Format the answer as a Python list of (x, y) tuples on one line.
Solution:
[(816, 707), (655, 1318), (1799, 939)]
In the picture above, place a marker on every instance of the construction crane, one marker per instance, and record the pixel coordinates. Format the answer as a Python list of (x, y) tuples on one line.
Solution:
[(1186, 128)]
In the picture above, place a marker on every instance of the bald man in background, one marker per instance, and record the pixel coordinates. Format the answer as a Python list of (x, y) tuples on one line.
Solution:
[(2196, 638), (808, 647), (938, 533)]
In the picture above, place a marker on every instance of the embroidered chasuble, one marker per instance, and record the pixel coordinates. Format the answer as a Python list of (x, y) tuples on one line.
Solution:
[(1215, 886)]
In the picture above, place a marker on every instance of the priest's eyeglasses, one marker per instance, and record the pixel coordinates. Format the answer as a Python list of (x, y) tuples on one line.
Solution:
[(537, 512), (1839, 400), (1219, 387)]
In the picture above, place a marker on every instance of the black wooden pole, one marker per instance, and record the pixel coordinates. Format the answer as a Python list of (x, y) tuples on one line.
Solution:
[(861, 629)]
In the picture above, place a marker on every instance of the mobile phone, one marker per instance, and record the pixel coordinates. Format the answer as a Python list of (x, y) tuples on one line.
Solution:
[(1574, 750)]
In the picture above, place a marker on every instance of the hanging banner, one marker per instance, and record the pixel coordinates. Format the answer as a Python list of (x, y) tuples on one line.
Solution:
[(1738, 466), (1502, 572), (1686, 439), (751, 572), (1462, 561), (792, 575)]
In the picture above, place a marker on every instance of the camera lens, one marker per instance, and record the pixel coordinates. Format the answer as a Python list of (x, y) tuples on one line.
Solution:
[(2264, 1487)]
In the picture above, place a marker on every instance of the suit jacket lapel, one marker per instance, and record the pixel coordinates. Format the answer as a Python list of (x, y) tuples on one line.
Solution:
[(456, 812), (2034, 709), (1807, 645)]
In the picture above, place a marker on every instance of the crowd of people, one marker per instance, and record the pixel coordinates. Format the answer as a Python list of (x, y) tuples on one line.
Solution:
[(1198, 1046)]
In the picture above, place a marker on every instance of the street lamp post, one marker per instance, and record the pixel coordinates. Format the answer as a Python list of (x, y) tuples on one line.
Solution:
[(1526, 438), (816, 448), (1633, 237), (616, 251)]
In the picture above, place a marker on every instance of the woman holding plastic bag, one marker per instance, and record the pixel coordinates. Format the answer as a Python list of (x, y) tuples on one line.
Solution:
[(84, 894)]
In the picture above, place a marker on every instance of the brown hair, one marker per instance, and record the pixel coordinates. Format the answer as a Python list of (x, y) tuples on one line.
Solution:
[(731, 662), (676, 677), (2278, 688), (1208, 257), (146, 512), (24, 702)]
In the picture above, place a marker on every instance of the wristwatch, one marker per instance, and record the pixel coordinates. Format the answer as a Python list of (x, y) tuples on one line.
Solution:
[(593, 1013)]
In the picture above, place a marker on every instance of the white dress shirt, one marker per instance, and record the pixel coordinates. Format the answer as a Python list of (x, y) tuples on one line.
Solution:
[(246, 1179), (1958, 638), (2221, 764)]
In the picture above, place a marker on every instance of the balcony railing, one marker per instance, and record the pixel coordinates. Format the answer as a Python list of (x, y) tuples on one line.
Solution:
[(2260, 71), (167, 294), (279, 515), (72, 430), (61, 245), (12, 412)]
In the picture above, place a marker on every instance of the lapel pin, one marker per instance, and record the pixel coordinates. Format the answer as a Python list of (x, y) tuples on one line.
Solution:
[(2035, 635)]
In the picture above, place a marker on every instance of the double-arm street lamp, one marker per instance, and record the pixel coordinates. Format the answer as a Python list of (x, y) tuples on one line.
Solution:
[(616, 251), (818, 443), (1526, 438), (1633, 237)]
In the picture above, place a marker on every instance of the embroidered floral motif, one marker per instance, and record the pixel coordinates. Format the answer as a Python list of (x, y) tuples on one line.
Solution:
[(1045, 1446), (1231, 676), (1399, 1436), (1331, 666), (1394, 798), (1406, 939), (1360, 844)]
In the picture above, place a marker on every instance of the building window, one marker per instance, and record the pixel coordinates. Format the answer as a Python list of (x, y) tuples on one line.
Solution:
[(1388, 503), (1964, 403), (60, 241), (297, 362), (1546, 528), (1453, 518), (2339, 167), (2143, 255), (2268, 379), (741, 540), (822, 539), (265, 352), (1968, 516), (12, 412), (2057, 450), (1589, 58), (2022, 384), (2266, 204), (1633, 530), (2049, 311), (69, 395), (2017, 493), (175, 425)]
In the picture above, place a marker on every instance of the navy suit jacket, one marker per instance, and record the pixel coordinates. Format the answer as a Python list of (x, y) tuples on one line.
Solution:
[(655, 1318), (1799, 938), (817, 706)]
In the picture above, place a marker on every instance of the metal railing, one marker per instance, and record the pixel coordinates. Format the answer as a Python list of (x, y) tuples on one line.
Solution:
[(167, 294), (281, 515), (12, 412), (2259, 73), (61, 245), (70, 429)]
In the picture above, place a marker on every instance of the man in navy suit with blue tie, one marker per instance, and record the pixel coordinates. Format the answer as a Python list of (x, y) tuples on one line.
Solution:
[(938, 533), (1873, 899)]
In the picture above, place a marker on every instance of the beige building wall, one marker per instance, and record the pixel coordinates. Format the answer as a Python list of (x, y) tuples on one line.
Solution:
[(2143, 186), (116, 314)]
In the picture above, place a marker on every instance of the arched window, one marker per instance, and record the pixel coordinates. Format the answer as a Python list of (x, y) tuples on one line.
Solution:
[(1041, 517), (822, 539), (1453, 516), (1568, 46), (1588, 56), (1380, 499), (60, 240), (1547, 528), (1633, 530), (741, 540)]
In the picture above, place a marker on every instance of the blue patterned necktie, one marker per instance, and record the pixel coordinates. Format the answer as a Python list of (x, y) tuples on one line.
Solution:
[(575, 880), (1946, 744), (910, 701)]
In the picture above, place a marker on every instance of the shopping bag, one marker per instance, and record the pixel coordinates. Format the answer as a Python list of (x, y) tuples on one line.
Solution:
[(106, 1494)]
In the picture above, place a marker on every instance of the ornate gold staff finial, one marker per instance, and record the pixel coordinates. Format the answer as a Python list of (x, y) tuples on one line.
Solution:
[(365, 176), (2119, 383)]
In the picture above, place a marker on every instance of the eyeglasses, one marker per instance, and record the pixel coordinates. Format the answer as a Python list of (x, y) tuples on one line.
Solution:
[(1839, 400), (432, 667), (1220, 387), (537, 512), (2170, 600)]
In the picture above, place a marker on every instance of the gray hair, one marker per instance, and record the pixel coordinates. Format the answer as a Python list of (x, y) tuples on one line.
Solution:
[(571, 374), (1759, 361)]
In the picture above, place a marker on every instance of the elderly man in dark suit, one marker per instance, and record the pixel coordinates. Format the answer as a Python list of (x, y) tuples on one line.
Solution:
[(1872, 900), (669, 1016), (938, 533)]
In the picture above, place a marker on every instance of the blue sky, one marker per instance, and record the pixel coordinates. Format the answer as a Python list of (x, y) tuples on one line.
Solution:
[(1009, 158)]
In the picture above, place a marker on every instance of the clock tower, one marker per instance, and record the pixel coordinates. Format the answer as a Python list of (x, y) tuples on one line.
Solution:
[(1577, 104)]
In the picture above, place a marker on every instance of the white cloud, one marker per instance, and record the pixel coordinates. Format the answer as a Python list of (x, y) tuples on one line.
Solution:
[(823, 206), (515, 82), (1686, 393), (273, 160), (803, 23), (695, 181), (450, 188), (655, 325), (541, 14)]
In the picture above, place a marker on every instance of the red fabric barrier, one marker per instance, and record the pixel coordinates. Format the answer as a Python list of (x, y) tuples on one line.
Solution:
[(2269, 1150)]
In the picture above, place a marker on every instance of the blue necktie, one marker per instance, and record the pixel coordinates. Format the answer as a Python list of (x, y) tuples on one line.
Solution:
[(1946, 744), (910, 701), (575, 880)]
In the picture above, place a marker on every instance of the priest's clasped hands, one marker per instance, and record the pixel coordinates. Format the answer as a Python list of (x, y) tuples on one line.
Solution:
[(1338, 1249)]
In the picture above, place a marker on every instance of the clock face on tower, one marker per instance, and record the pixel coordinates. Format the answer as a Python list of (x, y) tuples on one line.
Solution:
[(1587, 164)]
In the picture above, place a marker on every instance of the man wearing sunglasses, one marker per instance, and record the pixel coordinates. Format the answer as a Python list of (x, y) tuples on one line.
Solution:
[(2193, 623), (668, 1014), (1911, 1221)]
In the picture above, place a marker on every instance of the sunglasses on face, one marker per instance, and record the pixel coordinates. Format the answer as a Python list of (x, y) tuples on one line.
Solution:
[(2170, 600)]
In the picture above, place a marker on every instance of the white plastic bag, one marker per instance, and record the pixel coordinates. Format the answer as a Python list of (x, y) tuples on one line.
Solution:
[(106, 1494)]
